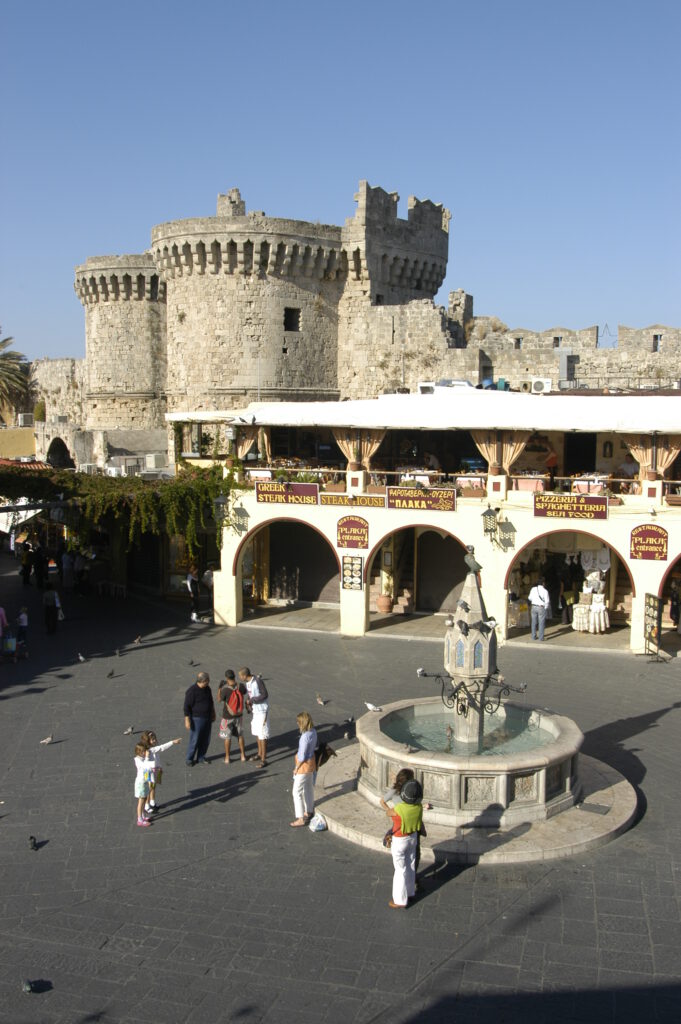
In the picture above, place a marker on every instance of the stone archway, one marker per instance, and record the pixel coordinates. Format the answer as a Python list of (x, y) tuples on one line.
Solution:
[(58, 456), (564, 557)]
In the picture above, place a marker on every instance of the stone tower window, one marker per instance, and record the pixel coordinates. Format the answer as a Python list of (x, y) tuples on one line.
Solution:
[(657, 338), (477, 655), (517, 344), (557, 341), (459, 653), (291, 318)]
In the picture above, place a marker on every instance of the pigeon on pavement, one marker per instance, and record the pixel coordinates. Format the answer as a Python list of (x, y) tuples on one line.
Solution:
[(320, 700), (129, 731), (137, 640), (118, 652), (110, 674), (27, 987), (372, 707), (48, 739), (32, 844), (80, 657)]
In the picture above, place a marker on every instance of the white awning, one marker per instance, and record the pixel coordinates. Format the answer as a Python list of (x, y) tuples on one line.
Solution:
[(465, 409)]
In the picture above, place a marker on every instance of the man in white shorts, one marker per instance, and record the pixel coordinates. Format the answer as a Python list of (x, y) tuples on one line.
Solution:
[(257, 703)]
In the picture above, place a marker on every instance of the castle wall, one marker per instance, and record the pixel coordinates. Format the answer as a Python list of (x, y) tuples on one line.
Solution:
[(125, 340), (60, 383)]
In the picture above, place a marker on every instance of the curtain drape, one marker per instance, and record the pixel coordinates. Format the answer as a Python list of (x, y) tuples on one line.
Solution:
[(512, 446), (641, 447), (370, 442), (486, 443), (668, 447), (267, 443), (346, 441), (245, 439)]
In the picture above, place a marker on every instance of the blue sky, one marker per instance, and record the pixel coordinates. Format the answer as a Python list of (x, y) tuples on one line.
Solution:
[(550, 130)]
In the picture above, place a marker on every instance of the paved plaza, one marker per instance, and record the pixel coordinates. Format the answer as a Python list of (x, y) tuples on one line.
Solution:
[(221, 912)]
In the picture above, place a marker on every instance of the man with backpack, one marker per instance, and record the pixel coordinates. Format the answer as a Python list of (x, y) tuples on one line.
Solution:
[(233, 695), (257, 704)]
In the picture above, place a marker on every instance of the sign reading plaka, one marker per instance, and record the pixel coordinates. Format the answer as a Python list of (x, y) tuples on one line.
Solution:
[(288, 493), (650, 542), (571, 506), (353, 532), (443, 499)]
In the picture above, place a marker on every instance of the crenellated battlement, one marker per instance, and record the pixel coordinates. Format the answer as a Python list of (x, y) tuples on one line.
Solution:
[(402, 256), (198, 249), (119, 278)]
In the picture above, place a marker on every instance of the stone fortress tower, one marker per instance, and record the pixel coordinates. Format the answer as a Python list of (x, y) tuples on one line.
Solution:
[(227, 309), (252, 307), (125, 342)]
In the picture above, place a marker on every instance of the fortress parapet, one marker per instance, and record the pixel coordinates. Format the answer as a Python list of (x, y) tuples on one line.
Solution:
[(403, 259), (119, 278), (248, 244)]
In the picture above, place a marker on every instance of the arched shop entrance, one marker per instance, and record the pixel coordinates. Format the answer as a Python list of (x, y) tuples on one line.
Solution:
[(288, 562), (422, 568), (568, 560)]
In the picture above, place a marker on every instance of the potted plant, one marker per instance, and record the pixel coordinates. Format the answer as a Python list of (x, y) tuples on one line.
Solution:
[(354, 465)]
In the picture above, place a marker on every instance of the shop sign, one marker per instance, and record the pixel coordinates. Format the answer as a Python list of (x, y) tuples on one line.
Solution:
[(353, 532), (652, 624), (353, 500), (649, 541), (443, 499), (571, 506), (288, 493), (353, 569)]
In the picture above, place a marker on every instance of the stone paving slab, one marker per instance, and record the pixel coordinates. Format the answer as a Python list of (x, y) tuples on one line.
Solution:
[(608, 807), (221, 912)]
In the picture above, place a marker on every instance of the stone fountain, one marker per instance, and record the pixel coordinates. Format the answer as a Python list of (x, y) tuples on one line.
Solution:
[(483, 761)]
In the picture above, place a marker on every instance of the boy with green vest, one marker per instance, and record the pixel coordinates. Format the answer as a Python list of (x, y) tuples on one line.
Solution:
[(407, 819)]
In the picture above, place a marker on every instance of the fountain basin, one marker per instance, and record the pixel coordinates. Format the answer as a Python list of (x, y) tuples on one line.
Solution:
[(485, 790)]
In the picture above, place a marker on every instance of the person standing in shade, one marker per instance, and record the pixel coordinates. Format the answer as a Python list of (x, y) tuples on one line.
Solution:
[(192, 582), (199, 714), (539, 600)]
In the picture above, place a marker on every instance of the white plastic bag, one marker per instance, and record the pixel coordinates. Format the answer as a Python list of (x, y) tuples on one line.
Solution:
[(318, 823)]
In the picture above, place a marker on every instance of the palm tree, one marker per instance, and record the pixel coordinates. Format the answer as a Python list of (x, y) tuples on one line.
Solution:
[(14, 375)]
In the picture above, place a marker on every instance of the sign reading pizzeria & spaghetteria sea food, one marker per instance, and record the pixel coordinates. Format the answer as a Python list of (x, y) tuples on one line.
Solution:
[(441, 499), (289, 493), (352, 532), (571, 506), (650, 542)]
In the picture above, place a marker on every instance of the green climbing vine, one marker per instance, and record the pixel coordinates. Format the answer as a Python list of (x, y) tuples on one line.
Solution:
[(181, 505)]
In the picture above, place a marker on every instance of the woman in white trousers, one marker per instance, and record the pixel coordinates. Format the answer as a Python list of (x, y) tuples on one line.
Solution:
[(304, 771)]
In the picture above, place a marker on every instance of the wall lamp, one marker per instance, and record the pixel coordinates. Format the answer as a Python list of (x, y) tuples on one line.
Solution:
[(490, 523)]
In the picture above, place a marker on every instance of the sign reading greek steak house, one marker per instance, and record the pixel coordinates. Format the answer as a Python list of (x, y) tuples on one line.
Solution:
[(441, 499), (289, 493), (352, 532), (649, 541), (571, 506)]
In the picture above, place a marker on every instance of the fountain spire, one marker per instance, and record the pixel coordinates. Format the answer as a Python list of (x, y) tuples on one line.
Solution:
[(470, 656)]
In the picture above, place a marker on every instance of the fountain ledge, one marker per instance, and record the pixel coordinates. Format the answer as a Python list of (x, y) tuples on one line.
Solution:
[(607, 807)]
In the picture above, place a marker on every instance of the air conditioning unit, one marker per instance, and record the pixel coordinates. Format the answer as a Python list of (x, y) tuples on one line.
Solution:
[(24, 419), (156, 460), (62, 419), (115, 471), (541, 385), (91, 468)]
